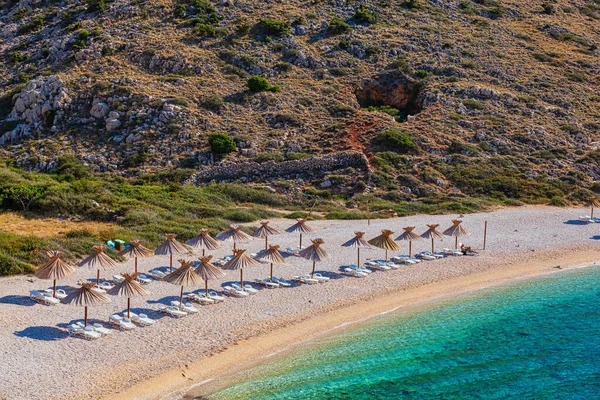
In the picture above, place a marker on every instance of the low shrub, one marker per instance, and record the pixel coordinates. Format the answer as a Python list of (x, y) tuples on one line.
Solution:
[(274, 27), (338, 26), (259, 84), (221, 143), (364, 15), (395, 140)]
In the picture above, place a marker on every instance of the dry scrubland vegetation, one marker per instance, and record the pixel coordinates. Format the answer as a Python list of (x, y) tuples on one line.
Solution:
[(458, 105)]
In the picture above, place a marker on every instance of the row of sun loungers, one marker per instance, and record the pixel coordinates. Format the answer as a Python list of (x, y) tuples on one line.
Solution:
[(589, 220), (43, 297)]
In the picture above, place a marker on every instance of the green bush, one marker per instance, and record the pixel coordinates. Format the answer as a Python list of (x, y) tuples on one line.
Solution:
[(474, 104), (364, 15), (422, 74), (389, 110), (338, 26), (274, 27), (34, 25), (395, 140), (221, 143), (259, 84), (213, 103), (16, 57), (179, 10), (411, 4), (209, 31), (548, 8), (96, 5)]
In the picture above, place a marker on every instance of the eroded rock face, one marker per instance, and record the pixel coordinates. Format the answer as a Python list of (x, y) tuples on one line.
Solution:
[(39, 98), (388, 90)]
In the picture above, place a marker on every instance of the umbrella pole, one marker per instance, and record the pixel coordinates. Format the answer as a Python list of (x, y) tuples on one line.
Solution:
[(410, 249), (266, 242), (54, 289), (136, 264), (432, 251), (313, 271), (271, 271), (456, 242), (206, 288), (203, 250), (592, 213), (386, 256), (170, 262), (98, 277), (234, 245), (181, 298), (242, 278), (129, 307), (358, 257), (300, 248), (85, 316)]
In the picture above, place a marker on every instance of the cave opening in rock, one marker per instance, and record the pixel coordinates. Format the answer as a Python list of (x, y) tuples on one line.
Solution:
[(393, 96)]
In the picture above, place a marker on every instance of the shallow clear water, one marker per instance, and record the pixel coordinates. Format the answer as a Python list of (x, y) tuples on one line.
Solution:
[(534, 340)]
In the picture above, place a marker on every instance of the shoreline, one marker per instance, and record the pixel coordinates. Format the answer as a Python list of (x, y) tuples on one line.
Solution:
[(211, 373)]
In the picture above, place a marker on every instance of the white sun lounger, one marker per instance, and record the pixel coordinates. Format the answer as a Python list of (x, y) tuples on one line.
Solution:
[(247, 288), (60, 294), (319, 277), (375, 265), (587, 219), (453, 252), (43, 298), (96, 327), (143, 279), (157, 273), (123, 324), (142, 319), (402, 260), (425, 256), (173, 311), (267, 283), (231, 291), (306, 279), (87, 333), (118, 278), (212, 295), (199, 299), (293, 251), (353, 272), (282, 282), (187, 307)]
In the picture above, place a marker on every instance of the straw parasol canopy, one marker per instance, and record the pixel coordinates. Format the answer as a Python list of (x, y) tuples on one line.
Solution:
[(359, 242), (99, 259), (203, 241), (385, 241), (456, 230), (172, 246), (184, 276), (594, 202), (234, 234), (409, 235), (240, 261), (300, 226), (432, 233), (264, 231), (136, 250), (272, 256), (54, 269), (129, 288), (208, 271), (86, 296), (315, 253)]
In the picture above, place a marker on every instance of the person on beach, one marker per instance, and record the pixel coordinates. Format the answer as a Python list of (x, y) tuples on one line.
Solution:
[(463, 249)]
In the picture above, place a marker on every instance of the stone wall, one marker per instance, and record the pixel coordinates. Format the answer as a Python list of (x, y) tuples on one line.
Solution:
[(250, 171)]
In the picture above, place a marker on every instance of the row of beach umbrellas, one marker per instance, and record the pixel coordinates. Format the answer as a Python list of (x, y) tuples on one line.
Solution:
[(189, 275)]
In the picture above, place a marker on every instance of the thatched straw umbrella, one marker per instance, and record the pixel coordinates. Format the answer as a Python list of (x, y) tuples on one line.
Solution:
[(409, 235), (432, 233), (54, 269), (98, 260), (240, 261), (234, 234), (594, 202), (136, 250), (203, 241), (385, 241), (272, 256), (208, 271), (360, 243), (264, 231), (85, 296), (300, 226), (172, 246), (315, 253), (129, 288), (184, 276), (456, 230)]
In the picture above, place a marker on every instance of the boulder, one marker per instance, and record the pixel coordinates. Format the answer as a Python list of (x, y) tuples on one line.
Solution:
[(99, 110)]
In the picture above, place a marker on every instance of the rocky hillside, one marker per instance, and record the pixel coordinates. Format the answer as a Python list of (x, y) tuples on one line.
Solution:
[(468, 97)]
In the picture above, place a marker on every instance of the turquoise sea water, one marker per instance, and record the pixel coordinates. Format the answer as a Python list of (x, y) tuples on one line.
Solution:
[(534, 340)]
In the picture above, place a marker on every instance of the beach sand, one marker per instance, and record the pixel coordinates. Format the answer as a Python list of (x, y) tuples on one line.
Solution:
[(39, 361)]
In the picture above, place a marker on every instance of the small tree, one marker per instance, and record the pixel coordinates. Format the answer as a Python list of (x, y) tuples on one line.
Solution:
[(24, 195), (337, 26), (364, 15), (221, 143), (548, 8), (259, 84)]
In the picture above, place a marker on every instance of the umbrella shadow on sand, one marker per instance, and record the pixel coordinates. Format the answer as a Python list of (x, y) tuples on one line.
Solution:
[(574, 222), (18, 300), (165, 301), (44, 333), (596, 237)]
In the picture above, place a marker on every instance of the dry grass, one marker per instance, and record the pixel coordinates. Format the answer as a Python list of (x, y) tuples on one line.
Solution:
[(47, 227)]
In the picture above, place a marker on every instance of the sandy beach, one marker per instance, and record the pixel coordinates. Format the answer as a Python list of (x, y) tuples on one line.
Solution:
[(170, 359)]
